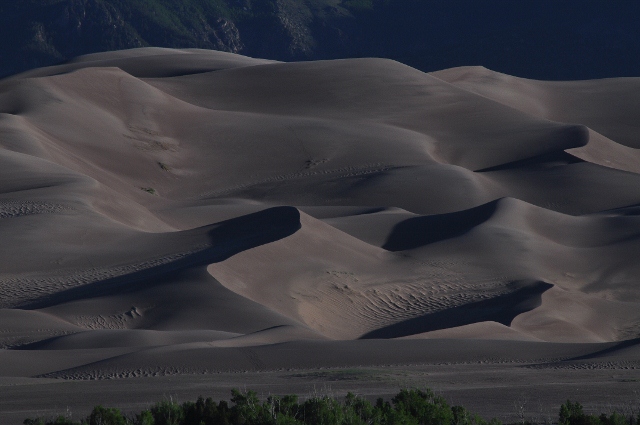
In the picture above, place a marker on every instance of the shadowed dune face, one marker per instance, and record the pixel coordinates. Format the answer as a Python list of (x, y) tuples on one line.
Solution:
[(201, 201)]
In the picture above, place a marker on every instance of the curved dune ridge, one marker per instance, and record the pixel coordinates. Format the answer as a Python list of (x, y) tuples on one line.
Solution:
[(177, 203)]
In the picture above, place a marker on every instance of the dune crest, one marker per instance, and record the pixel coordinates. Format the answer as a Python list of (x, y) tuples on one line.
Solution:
[(175, 203)]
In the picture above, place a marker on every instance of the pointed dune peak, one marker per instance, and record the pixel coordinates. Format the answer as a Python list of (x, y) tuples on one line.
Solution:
[(511, 213), (603, 151), (329, 285), (419, 231), (609, 107), (465, 75), (181, 207), (544, 143)]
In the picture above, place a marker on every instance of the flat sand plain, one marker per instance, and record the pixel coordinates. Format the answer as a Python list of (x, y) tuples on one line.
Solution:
[(182, 222)]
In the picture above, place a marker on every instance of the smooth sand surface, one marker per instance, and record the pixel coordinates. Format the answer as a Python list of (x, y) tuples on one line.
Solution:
[(176, 213)]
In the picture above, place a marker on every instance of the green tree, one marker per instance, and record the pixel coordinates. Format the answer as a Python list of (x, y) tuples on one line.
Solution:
[(144, 418), (426, 407), (247, 409), (322, 411), (461, 416), (62, 420), (106, 416), (167, 413), (569, 411), (572, 414), (358, 411), (614, 419)]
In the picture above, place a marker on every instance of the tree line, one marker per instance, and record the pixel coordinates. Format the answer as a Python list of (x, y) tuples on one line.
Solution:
[(408, 407)]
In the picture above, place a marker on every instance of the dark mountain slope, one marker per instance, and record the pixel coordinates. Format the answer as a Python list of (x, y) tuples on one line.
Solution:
[(542, 39)]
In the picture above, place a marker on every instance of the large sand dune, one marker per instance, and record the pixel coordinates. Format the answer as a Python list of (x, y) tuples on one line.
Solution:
[(168, 212)]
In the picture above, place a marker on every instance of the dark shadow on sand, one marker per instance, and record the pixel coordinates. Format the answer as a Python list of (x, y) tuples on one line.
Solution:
[(419, 231), (502, 309), (227, 238)]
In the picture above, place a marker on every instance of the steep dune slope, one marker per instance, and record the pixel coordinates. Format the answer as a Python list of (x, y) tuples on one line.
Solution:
[(606, 106), (203, 201)]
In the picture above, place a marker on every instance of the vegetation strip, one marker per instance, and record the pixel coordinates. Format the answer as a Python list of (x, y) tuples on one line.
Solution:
[(408, 407)]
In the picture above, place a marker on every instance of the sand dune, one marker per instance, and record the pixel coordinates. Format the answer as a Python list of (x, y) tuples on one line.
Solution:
[(168, 212)]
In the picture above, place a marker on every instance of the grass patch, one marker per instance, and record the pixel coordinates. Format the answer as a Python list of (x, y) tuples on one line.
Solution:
[(149, 190)]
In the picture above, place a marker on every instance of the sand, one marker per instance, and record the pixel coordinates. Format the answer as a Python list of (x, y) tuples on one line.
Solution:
[(187, 214)]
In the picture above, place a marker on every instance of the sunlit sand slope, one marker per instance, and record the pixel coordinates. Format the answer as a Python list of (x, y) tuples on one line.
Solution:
[(163, 205)]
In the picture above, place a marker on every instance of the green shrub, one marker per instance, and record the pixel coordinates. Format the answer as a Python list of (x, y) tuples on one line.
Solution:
[(106, 416), (144, 418), (358, 411), (408, 407), (424, 406), (167, 413), (36, 421)]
